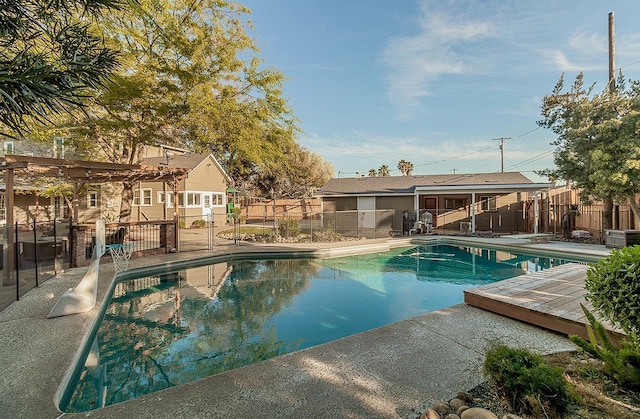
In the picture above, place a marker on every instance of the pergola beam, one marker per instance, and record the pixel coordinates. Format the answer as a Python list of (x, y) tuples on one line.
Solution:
[(78, 173)]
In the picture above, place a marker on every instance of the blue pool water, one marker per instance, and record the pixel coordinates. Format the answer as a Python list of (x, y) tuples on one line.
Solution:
[(163, 331)]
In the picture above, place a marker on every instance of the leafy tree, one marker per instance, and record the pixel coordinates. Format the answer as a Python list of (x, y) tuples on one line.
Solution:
[(296, 175), (598, 144), (373, 173), (384, 170), (51, 57), (405, 167), (190, 77)]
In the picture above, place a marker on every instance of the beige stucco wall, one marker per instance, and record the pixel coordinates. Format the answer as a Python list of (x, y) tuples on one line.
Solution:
[(395, 202), (339, 204)]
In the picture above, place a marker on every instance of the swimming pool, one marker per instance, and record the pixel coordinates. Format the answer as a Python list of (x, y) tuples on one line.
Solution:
[(166, 330)]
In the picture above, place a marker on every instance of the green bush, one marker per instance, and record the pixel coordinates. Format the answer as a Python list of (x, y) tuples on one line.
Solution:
[(289, 227), (181, 224), (621, 364), (527, 380), (613, 288), (198, 224)]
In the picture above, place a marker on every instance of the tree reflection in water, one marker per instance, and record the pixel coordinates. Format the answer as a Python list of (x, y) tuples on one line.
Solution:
[(168, 332)]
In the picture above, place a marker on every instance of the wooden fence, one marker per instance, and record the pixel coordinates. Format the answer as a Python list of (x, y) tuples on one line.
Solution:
[(293, 208)]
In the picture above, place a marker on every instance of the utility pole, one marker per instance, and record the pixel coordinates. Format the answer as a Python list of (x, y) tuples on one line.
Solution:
[(612, 54), (501, 139), (607, 202)]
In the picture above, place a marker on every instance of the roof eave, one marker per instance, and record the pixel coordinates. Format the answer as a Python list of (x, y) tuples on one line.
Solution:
[(514, 187)]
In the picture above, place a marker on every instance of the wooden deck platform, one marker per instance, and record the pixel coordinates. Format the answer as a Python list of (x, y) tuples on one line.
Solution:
[(550, 299)]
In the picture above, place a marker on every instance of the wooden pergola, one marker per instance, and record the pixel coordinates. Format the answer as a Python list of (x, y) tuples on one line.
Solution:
[(78, 173)]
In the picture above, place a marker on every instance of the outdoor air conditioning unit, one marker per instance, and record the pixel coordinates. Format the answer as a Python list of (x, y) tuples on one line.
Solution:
[(465, 226), (621, 238)]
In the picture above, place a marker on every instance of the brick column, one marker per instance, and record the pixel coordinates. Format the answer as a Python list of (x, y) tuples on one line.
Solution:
[(168, 236), (78, 246)]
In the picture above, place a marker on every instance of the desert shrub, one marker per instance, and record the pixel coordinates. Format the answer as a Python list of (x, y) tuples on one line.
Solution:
[(198, 224), (327, 236), (622, 363), (289, 227), (613, 288), (527, 380)]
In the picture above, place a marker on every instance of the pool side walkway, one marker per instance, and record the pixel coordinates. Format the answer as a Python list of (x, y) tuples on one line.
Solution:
[(384, 372)]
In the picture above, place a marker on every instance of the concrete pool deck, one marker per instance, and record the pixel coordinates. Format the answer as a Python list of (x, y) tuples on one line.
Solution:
[(385, 372)]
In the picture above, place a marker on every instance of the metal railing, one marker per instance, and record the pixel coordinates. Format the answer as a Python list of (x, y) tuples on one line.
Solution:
[(47, 248), (40, 251), (147, 237)]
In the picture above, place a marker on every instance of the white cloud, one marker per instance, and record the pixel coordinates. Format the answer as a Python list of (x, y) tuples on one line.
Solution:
[(590, 42), (559, 60), (415, 61)]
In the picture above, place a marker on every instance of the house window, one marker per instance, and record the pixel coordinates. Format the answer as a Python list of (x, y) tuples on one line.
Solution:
[(8, 147), (92, 200), (58, 148), (488, 203), (142, 197), (454, 203), (165, 198), (218, 199), (200, 199), (213, 200), (60, 208), (193, 199)]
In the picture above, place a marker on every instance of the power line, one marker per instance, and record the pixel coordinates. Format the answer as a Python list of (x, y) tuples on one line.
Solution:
[(532, 159), (528, 132), (629, 65)]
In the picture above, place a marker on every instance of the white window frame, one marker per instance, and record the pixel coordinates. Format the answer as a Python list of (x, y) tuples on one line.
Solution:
[(200, 199), (218, 199), (9, 147), (142, 197), (60, 207), (488, 203), (165, 195), (194, 199), (58, 148), (92, 199)]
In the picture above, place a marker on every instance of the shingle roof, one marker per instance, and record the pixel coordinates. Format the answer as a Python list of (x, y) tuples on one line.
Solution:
[(186, 161), (408, 184)]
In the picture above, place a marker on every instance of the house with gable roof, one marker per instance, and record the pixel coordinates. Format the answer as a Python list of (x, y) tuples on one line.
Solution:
[(203, 192), (499, 202)]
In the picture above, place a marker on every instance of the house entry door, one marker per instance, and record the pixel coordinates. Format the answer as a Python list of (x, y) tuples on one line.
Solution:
[(206, 206)]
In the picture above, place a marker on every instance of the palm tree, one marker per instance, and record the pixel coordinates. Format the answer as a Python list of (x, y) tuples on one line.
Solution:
[(405, 167), (51, 57), (384, 170), (373, 173)]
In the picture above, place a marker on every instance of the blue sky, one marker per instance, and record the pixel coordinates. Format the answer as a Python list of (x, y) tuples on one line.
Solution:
[(434, 82)]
